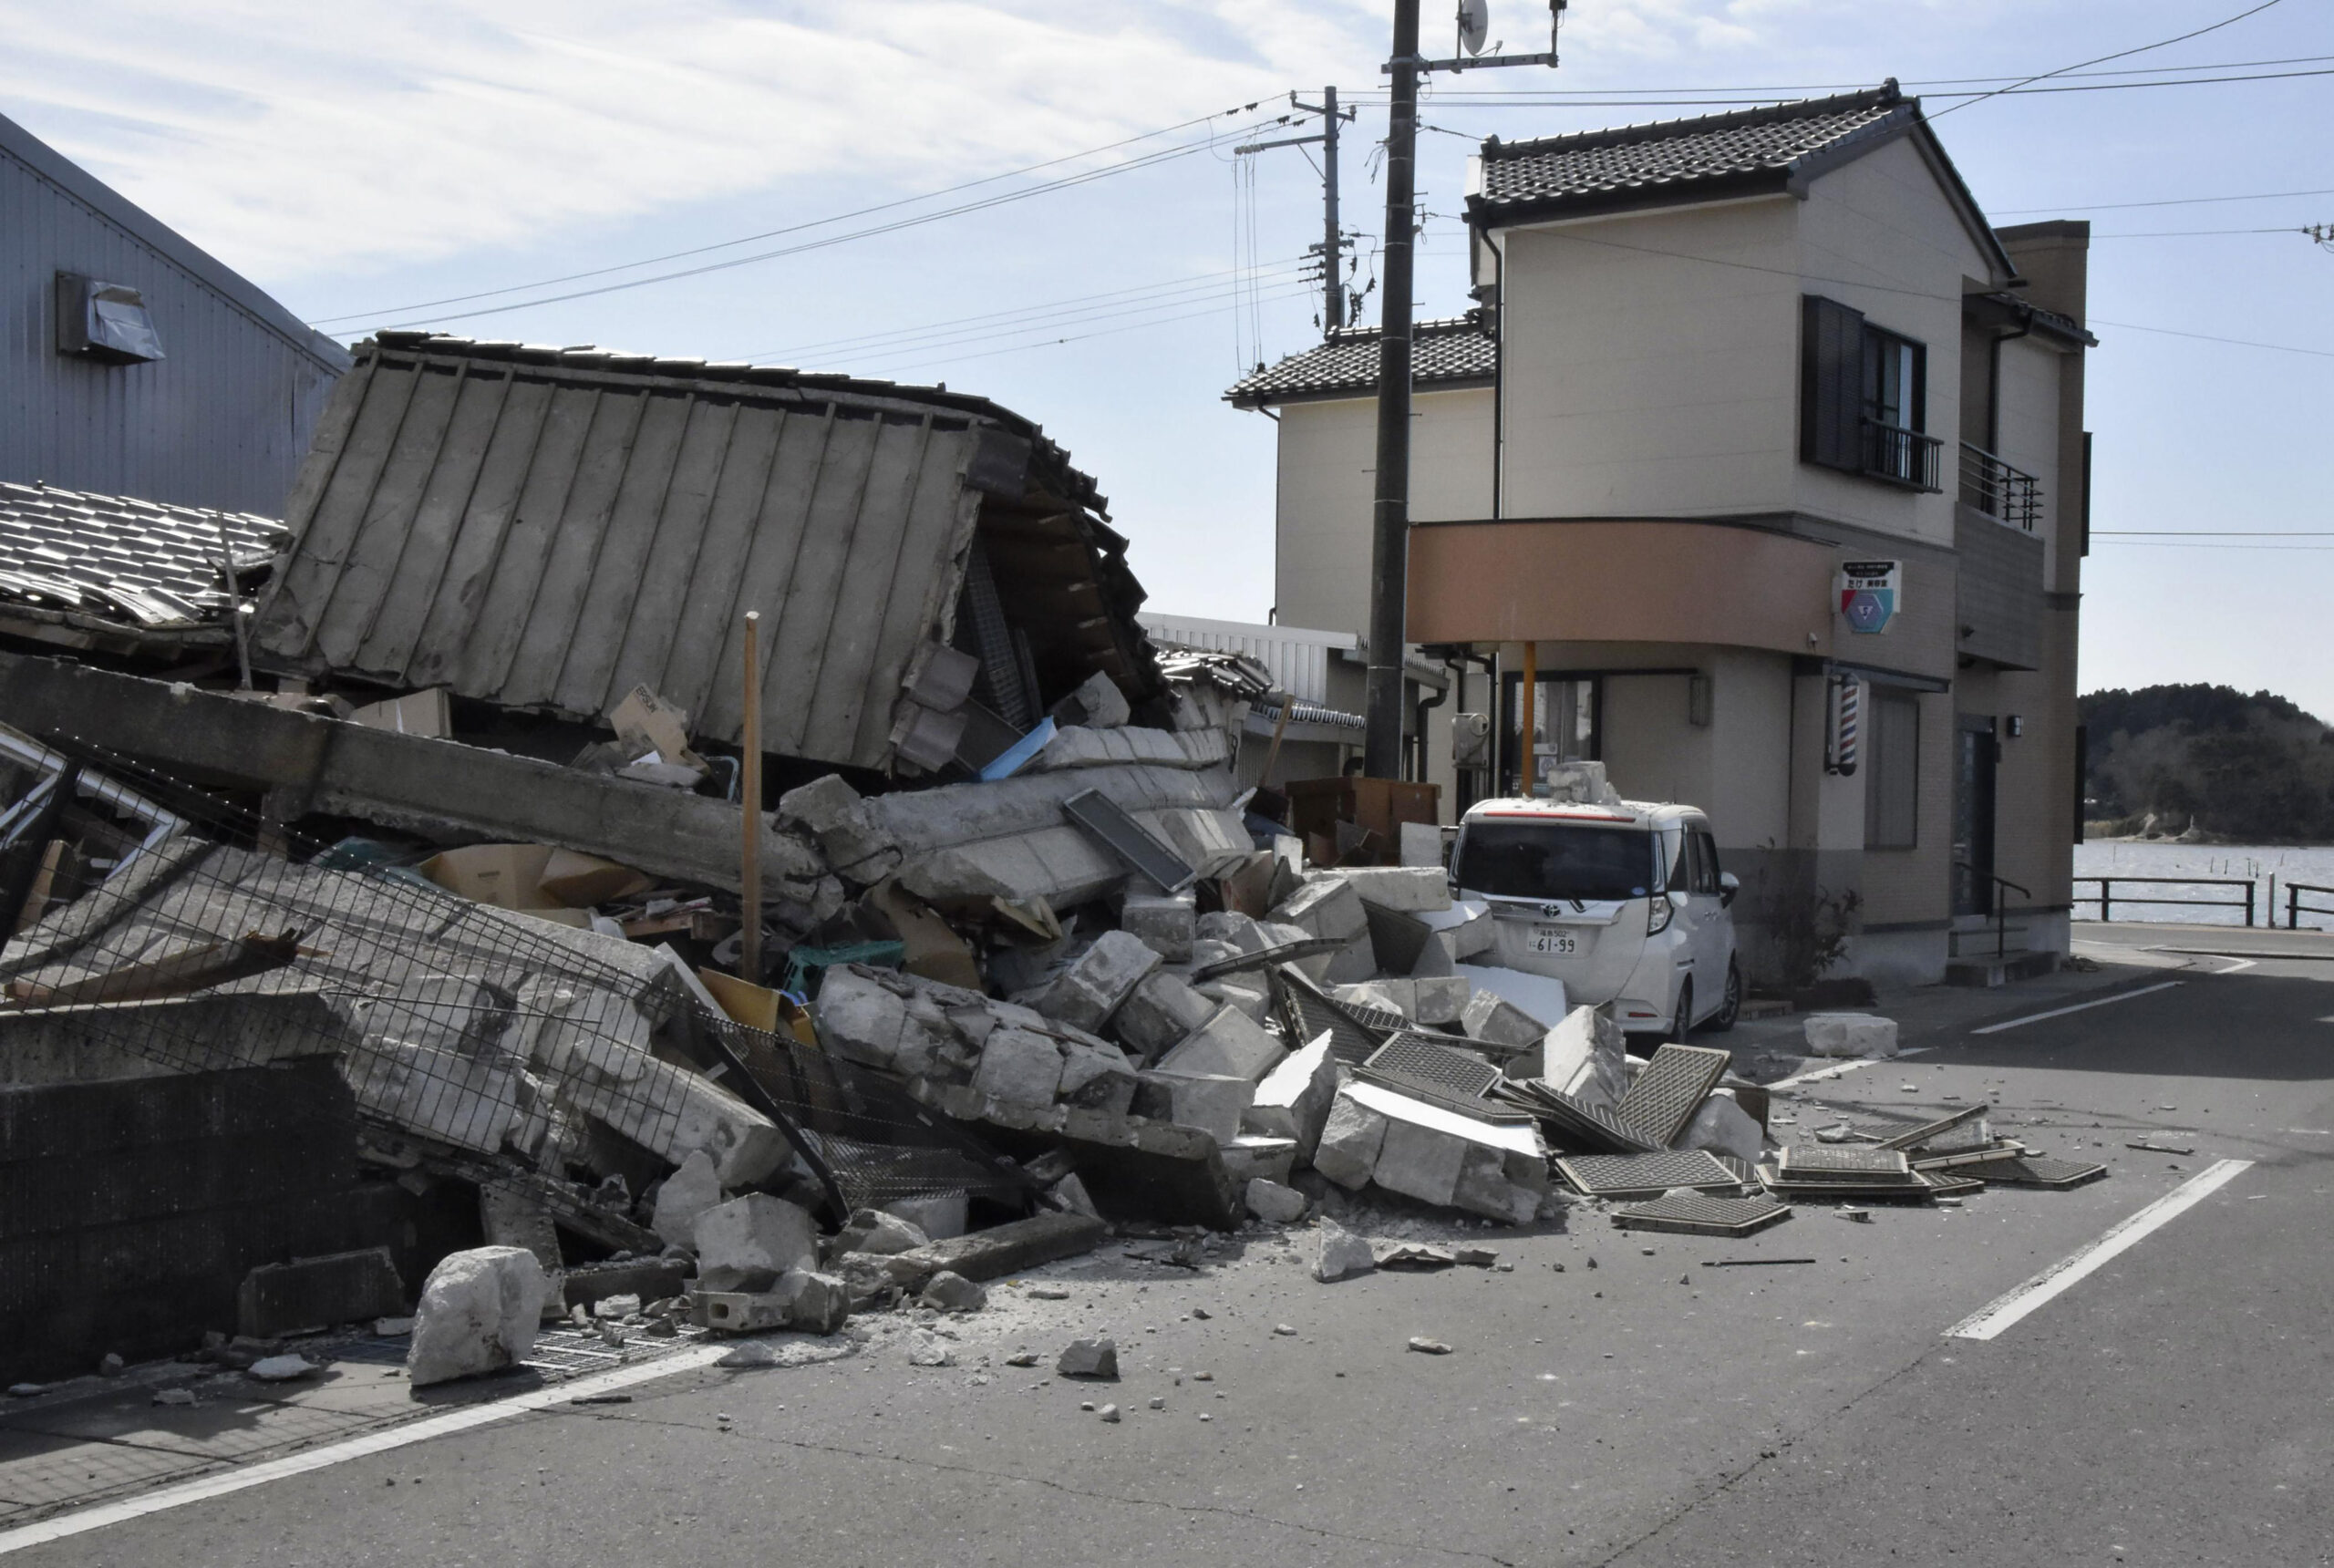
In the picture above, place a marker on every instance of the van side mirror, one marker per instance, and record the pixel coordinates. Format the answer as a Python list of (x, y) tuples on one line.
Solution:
[(1728, 884)]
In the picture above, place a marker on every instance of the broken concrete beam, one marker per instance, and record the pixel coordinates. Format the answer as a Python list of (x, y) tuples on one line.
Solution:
[(434, 788), (1086, 994), (1133, 1166), (1425, 1152), (650, 1279), (1292, 1100), (1158, 1014), (753, 1237), (1229, 1044), (1350, 1140), (856, 845), (1210, 1102), (278, 1299), (885, 1019), (513, 1214), (1164, 922), (1009, 1249), (1063, 864), (1080, 746), (477, 1312), (1408, 888), (1850, 1034)]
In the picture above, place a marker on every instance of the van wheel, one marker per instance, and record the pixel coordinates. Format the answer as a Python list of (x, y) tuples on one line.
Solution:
[(1731, 1008), (1684, 1019)]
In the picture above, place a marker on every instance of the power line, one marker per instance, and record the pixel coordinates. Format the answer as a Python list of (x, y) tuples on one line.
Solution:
[(2167, 544), (2118, 55), (2190, 233), (2214, 532), (1141, 160), (1540, 100), (1301, 289), (2209, 337), (2167, 201), (1558, 94)]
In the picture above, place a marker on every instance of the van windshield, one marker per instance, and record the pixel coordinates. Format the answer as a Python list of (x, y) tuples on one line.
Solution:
[(1556, 859)]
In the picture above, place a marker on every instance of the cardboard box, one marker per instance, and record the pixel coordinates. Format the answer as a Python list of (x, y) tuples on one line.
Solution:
[(508, 876), (581, 882), (759, 1006), (646, 722), (425, 713)]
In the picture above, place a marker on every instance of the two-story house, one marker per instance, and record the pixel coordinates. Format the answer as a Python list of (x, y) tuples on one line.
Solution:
[(1763, 455)]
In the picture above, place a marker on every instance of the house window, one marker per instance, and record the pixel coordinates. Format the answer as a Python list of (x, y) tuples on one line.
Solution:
[(1892, 770), (1863, 397)]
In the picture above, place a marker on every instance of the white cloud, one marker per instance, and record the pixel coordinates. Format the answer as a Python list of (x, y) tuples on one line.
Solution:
[(298, 139)]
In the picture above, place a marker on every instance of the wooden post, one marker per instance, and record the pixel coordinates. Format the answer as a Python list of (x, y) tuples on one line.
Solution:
[(1272, 755), (749, 798), (1528, 773)]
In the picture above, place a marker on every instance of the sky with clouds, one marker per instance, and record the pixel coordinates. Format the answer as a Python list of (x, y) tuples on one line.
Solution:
[(361, 159)]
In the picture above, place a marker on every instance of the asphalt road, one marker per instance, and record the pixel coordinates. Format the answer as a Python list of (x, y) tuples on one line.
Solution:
[(2173, 1407)]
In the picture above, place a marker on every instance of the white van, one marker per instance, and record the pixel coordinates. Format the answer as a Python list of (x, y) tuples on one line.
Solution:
[(1622, 901)]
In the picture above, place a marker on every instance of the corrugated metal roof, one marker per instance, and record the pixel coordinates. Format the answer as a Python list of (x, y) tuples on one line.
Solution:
[(114, 557), (545, 529)]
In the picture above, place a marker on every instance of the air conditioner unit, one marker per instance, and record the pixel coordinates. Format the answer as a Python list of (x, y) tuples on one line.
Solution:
[(1470, 739)]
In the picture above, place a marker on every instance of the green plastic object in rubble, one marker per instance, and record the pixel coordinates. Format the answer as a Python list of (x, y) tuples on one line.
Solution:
[(805, 965)]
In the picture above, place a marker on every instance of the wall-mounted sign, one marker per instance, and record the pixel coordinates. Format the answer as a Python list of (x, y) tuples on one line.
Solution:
[(1870, 593)]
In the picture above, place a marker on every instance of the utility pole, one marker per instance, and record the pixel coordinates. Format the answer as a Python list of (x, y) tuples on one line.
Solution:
[(1333, 241), (1389, 533), (1390, 537)]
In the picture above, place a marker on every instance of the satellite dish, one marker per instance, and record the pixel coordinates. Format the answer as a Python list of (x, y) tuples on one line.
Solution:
[(1474, 25)]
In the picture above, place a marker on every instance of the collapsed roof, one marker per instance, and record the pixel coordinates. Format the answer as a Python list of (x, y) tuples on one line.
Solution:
[(112, 572), (546, 528)]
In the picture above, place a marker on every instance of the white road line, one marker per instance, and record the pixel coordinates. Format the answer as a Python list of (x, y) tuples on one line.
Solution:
[(2004, 1310), (2077, 1007), (1819, 1074), (463, 1419), (2236, 964)]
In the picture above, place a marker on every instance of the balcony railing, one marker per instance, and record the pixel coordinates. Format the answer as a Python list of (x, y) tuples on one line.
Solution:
[(1900, 456), (1999, 490)]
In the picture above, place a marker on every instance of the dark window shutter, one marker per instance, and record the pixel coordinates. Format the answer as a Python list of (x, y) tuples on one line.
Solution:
[(1830, 384)]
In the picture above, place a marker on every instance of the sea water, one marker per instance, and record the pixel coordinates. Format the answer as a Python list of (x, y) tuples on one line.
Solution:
[(2256, 863)]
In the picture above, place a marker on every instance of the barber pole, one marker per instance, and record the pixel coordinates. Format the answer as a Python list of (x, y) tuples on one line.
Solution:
[(1847, 697)]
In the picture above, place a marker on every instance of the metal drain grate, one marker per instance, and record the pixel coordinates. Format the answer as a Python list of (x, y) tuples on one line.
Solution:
[(1700, 1214), (1574, 1124), (567, 1351), (1671, 1089), (1914, 1137), (1411, 1057), (1941, 1185), (1353, 1032), (1643, 1175), (1912, 1187), (2032, 1170), (1831, 1163)]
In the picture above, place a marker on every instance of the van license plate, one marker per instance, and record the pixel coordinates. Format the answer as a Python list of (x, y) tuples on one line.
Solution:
[(1554, 939)]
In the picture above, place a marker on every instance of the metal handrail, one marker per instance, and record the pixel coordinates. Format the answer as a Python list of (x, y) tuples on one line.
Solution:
[(2001, 909), (2105, 897), (2295, 907), (2009, 494), (1901, 456)]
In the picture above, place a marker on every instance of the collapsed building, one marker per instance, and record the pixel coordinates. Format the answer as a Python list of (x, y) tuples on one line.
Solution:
[(424, 837)]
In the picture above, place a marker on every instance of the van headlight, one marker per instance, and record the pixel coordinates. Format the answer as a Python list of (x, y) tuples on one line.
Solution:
[(1657, 912)]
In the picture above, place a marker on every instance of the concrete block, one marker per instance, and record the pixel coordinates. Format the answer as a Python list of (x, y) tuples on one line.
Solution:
[(801, 1300), (1090, 990), (1850, 1034), (1096, 1359), (477, 1312), (1098, 1076), (1394, 995), (1420, 1162), (1210, 1103), (1494, 1013), (1723, 1127), (754, 1234), (855, 845), (1099, 703), (278, 1299), (1463, 930), (1584, 1056), (1405, 888), (1158, 1014), (1228, 925), (1247, 993), (1165, 923), (1274, 1204), (1502, 1185), (940, 1218), (1421, 844), (1292, 1100), (1212, 950), (1251, 1157), (1338, 1254), (860, 1016), (949, 1291), (687, 1193), (648, 1279), (1330, 907), (1230, 1044), (1441, 999), (1351, 1138), (878, 1231), (1020, 1068)]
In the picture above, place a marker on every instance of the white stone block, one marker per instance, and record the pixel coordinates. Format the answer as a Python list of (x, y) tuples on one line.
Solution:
[(687, 1193), (1351, 1137), (756, 1232), (1165, 923), (1230, 1044), (1090, 990), (477, 1312), (1292, 1100), (1097, 1078), (940, 1218), (1158, 1014), (1020, 1068), (1723, 1127), (1421, 845), (1330, 907), (1420, 1162), (1850, 1034), (1340, 1255), (1406, 888), (1274, 1204), (1211, 1102), (1251, 1156), (1530, 999), (1584, 1056)]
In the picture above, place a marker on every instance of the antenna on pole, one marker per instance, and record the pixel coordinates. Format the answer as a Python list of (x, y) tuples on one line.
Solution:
[(1332, 248), (1474, 25)]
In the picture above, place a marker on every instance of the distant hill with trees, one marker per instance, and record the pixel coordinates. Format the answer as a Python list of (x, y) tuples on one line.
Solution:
[(2255, 769)]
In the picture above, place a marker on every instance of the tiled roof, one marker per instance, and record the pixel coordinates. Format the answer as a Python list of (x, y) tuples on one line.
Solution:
[(1454, 349), (1681, 159), (138, 563)]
